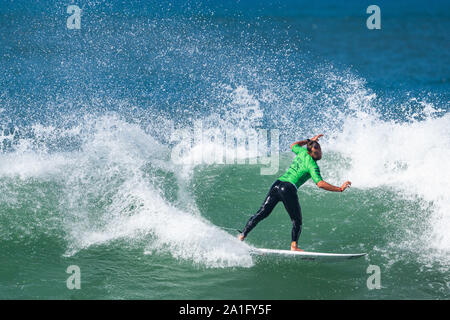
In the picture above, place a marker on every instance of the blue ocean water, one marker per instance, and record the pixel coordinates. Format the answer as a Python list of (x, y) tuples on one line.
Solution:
[(87, 116)]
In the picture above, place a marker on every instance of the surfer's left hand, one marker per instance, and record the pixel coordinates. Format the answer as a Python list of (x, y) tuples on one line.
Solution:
[(345, 185)]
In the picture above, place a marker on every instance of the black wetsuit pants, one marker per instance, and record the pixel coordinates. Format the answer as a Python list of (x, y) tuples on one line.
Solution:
[(280, 191)]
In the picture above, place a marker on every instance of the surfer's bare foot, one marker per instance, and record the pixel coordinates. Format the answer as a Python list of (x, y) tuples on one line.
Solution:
[(241, 237), (294, 247)]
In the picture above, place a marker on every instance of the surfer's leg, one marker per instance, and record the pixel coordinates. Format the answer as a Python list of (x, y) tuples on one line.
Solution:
[(266, 208), (290, 200)]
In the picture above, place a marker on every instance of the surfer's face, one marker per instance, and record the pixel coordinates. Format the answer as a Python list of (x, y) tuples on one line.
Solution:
[(316, 153)]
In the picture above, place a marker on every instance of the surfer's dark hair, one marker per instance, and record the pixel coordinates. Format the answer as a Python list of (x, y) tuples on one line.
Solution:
[(312, 145)]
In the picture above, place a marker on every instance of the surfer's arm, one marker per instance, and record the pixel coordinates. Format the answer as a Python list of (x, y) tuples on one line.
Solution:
[(300, 143), (304, 142), (329, 187)]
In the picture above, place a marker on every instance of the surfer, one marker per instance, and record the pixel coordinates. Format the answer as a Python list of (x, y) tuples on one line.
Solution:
[(303, 167)]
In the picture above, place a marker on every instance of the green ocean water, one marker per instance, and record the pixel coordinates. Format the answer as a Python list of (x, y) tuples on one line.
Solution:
[(374, 220)]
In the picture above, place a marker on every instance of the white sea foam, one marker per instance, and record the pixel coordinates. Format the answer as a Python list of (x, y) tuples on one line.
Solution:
[(106, 194), (410, 157)]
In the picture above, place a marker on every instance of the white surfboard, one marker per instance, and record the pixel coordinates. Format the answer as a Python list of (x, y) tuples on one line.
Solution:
[(305, 255)]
